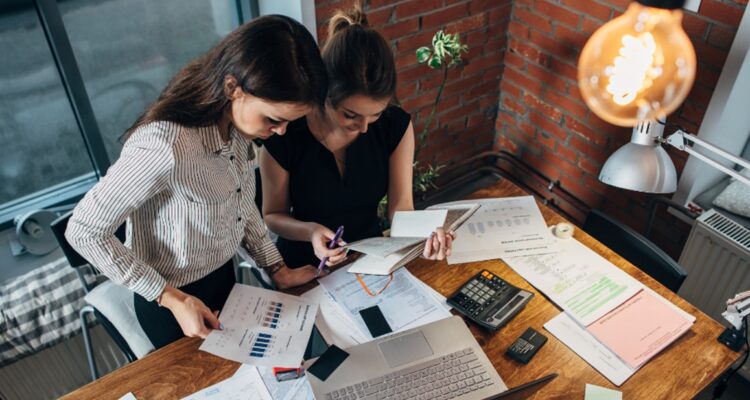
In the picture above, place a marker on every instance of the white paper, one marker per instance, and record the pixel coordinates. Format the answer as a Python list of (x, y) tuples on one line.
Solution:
[(245, 384), (128, 396), (594, 392), (295, 389), (263, 327), (500, 228), (580, 281), (574, 336), (458, 213), (417, 223), (383, 246), (332, 321), (374, 265), (405, 303)]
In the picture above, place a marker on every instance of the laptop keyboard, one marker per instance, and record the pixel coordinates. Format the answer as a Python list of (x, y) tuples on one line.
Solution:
[(446, 377)]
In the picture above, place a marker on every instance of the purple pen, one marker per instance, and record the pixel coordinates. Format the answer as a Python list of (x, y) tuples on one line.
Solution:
[(334, 242)]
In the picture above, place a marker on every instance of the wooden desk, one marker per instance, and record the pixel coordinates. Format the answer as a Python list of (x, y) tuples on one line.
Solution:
[(681, 371)]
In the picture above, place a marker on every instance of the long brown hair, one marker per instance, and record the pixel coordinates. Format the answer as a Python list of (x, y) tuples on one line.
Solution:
[(272, 57), (357, 58)]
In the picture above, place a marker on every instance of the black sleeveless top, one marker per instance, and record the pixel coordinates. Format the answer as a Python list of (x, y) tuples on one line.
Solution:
[(317, 193)]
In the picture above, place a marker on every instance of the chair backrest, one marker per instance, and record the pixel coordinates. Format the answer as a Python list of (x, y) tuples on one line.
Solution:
[(635, 248), (106, 296)]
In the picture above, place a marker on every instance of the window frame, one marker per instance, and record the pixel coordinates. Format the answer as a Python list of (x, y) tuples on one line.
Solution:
[(69, 192)]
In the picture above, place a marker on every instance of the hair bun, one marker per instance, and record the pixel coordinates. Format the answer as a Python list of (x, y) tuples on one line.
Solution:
[(343, 19)]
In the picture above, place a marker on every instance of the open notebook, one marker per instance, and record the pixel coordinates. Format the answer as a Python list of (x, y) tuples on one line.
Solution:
[(383, 255)]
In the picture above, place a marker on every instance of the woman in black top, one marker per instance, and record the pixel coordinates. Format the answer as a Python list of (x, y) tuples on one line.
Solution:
[(332, 167)]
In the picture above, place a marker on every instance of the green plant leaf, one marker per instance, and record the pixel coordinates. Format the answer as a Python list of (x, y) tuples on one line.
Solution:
[(439, 49), (435, 62), (423, 54), (438, 37)]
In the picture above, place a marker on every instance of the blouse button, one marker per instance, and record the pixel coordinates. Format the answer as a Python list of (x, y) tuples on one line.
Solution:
[(239, 219), (239, 190), (231, 157)]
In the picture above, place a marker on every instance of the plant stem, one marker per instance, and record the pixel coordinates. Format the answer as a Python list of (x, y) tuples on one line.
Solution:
[(426, 129)]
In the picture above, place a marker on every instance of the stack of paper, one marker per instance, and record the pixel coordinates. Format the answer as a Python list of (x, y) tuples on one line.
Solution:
[(405, 304), (245, 384), (639, 328), (333, 322), (633, 345), (295, 389), (611, 320), (501, 228), (581, 282)]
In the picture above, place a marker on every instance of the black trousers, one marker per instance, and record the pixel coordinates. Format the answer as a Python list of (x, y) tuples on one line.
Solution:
[(160, 325)]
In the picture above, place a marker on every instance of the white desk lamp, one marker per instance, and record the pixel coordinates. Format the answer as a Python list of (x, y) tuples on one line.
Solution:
[(644, 166), (634, 71)]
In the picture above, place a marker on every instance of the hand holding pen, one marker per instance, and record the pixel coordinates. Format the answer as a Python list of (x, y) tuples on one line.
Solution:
[(325, 243)]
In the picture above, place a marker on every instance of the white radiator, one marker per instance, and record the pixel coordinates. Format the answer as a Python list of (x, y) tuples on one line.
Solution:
[(717, 260), (59, 369)]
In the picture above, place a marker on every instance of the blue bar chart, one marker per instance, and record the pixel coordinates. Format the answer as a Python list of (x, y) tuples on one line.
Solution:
[(261, 345)]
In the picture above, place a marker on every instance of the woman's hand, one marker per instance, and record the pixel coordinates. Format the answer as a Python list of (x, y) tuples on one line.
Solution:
[(320, 236), (286, 277), (195, 319), (439, 244)]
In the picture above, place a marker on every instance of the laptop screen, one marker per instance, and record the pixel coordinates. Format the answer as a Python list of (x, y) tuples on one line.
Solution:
[(526, 390)]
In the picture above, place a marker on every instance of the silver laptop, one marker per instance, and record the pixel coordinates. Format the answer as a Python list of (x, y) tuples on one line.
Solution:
[(440, 360)]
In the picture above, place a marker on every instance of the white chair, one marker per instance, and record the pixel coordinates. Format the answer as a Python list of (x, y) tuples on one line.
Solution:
[(110, 303)]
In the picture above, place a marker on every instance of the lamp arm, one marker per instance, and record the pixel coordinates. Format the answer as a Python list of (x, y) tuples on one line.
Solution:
[(679, 140), (738, 308)]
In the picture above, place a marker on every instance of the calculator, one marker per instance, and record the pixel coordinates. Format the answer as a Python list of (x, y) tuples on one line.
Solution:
[(489, 301)]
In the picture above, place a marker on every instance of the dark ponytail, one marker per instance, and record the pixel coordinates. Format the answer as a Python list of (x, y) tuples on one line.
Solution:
[(358, 59), (272, 57)]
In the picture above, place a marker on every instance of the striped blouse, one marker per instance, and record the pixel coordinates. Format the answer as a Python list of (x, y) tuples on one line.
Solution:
[(188, 198)]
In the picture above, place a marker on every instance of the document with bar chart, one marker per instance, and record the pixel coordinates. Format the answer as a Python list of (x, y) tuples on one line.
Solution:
[(501, 228), (263, 327)]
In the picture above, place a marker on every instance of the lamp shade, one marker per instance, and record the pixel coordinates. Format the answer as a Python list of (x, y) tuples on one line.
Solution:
[(641, 168), (642, 164)]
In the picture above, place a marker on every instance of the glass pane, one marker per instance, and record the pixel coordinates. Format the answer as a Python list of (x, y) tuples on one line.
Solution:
[(41, 145), (127, 50)]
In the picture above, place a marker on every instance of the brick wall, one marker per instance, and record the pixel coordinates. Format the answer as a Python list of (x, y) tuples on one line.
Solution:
[(467, 112), (517, 90), (543, 118)]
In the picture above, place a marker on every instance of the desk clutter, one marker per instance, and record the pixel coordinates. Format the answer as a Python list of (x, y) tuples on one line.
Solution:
[(390, 335)]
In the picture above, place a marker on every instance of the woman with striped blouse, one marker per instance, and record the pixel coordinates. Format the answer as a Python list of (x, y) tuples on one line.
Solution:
[(185, 181)]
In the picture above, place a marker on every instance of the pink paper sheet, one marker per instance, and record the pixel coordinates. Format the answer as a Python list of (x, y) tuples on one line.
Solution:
[(639, 328)]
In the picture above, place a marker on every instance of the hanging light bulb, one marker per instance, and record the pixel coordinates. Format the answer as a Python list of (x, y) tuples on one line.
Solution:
[(640, 66)]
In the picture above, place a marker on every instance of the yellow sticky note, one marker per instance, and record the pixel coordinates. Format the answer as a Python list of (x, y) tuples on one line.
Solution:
[(594, 392)]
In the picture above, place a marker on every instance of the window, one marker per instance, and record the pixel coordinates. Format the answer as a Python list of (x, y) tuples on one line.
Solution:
[(41, 144), (125, 62), (73, 84)]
